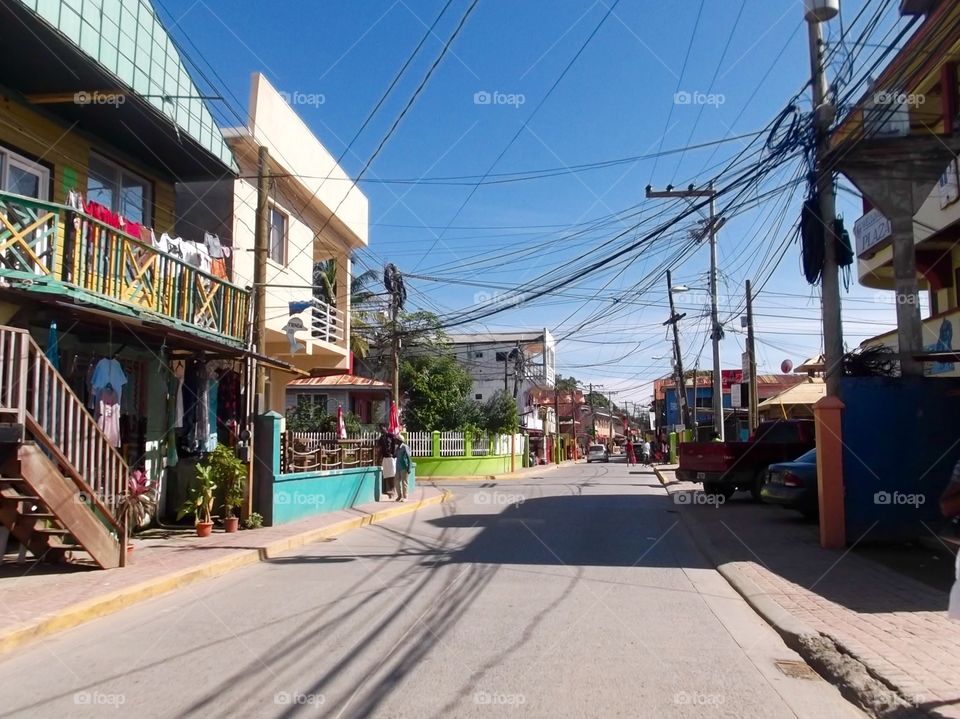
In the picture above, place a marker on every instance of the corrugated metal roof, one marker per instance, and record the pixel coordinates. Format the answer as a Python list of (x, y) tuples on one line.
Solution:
[(805, 393), (340, 380)]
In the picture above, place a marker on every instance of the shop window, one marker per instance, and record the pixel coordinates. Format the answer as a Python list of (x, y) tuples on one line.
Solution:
[(278, 236), (115, 187)]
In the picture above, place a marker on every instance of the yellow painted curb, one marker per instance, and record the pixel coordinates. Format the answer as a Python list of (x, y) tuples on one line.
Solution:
[(83, 612)]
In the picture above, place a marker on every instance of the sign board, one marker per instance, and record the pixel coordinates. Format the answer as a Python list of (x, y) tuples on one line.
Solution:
[(870, 230), (745, 363), (948, 186), (735, 400), (729, 377)]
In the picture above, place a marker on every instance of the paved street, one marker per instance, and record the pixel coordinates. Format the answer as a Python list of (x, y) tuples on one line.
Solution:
[(575, 594)]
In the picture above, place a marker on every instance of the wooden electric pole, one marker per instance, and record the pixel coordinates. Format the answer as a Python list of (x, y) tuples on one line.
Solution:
[(752, 398), (261, 239), (681, 384)]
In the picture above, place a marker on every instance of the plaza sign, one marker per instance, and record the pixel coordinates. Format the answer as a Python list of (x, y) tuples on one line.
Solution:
[(870, 230)]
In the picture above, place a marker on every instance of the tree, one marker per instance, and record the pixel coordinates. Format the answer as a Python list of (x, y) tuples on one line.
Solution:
[(362, 313), (420, 332), (436, 389), (596, 399), (500, 414), (567, 384)]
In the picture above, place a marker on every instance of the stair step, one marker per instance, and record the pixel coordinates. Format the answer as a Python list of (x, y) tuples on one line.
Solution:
[(8, 493), (51, 531)]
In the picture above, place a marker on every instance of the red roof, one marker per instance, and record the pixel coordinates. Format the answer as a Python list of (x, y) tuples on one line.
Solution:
[(340, 380)]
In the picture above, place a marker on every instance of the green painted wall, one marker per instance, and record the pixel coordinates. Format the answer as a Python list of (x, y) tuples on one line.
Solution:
[(464, 466)]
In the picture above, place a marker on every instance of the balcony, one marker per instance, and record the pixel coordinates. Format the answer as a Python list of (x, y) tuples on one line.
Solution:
[(57, 245), (327, 323)]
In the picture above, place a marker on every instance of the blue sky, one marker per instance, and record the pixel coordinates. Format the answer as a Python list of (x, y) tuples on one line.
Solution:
[(618, 100)]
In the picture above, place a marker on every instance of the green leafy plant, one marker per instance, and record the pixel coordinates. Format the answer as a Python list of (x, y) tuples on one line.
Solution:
[(253, 521), (200, 496), (139, 502), (231, 474)]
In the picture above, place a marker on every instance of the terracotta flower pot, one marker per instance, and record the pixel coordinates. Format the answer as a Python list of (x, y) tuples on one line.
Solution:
[(204, 529), (231, 524)]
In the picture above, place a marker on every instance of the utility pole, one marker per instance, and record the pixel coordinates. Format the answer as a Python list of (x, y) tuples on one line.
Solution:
[(678, 364), (556, 414), (393, 282), (824, 112), (260, 250), (752, 398), (716, 330)]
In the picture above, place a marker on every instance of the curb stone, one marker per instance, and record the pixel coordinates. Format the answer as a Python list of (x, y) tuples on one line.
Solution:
[(830, 660), (506, 476), (83, 612)]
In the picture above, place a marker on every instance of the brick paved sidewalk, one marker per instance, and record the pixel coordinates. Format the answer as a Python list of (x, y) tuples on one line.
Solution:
[(38, 599), (894, 625)]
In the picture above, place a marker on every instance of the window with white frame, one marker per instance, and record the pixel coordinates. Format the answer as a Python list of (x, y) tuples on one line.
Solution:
[(312, 398), (22, 176), (278, 236), (115, 187)]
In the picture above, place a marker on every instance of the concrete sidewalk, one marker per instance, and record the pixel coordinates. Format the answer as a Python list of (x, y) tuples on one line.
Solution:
[(38, 600), (882, 637)]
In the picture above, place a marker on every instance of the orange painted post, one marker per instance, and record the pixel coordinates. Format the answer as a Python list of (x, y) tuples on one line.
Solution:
[(828, 413)]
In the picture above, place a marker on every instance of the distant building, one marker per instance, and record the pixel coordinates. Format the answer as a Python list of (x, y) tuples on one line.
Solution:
[(367, 398), (518, 363)]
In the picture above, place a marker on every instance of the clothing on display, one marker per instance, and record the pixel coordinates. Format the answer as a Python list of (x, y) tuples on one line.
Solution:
[(108, 373), (108, 415)]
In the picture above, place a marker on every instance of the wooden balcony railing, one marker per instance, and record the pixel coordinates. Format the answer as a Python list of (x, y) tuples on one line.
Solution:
[(58, 243)]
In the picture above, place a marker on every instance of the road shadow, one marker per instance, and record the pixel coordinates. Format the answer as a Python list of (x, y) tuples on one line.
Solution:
[(610, 530)]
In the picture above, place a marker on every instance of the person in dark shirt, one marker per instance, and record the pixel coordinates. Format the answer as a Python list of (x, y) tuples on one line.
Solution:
[(387, 445)]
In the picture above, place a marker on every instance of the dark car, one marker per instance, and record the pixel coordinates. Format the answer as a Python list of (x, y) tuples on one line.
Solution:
[(794, 484)]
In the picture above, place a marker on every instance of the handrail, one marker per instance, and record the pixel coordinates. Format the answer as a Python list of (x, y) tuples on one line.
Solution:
[(69, 246), (54, 416)]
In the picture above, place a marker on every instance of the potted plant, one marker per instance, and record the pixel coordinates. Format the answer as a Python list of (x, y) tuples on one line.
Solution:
[(139, 502), (231, 474), (253, 521), (200, 500)]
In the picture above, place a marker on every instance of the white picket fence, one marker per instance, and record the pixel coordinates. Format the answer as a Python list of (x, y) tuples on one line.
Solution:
[(452, 444), (421, 443)]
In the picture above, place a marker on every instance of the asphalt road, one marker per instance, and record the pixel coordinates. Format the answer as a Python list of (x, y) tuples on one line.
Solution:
[(577, 593)]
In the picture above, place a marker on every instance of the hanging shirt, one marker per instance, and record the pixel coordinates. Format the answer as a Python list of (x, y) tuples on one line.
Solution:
[(109, 422), (108, 372)]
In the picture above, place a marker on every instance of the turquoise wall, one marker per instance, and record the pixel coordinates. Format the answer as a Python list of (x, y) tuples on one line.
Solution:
[(307, 494)]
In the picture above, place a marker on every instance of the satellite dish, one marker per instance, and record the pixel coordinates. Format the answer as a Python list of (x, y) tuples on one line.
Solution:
[(786, 366)]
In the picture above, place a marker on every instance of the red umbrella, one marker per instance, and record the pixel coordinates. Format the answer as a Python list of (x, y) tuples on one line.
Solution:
[(341, 427), (394, 426)]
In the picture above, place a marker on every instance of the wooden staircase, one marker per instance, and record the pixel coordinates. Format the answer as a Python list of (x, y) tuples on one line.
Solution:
[(60, 480)]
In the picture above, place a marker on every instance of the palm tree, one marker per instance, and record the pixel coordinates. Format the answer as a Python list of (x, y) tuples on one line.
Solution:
[(361, 312)]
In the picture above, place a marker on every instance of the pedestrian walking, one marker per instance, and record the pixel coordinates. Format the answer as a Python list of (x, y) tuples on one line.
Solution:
[(387, 445), (631, 454), (646, 452), (404, 464)]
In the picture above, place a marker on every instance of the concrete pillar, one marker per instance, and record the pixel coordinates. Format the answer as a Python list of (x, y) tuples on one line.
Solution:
[(266, 462), (828, 414)]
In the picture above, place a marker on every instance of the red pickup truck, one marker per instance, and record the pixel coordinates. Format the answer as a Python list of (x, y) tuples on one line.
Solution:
[(725, 467)]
